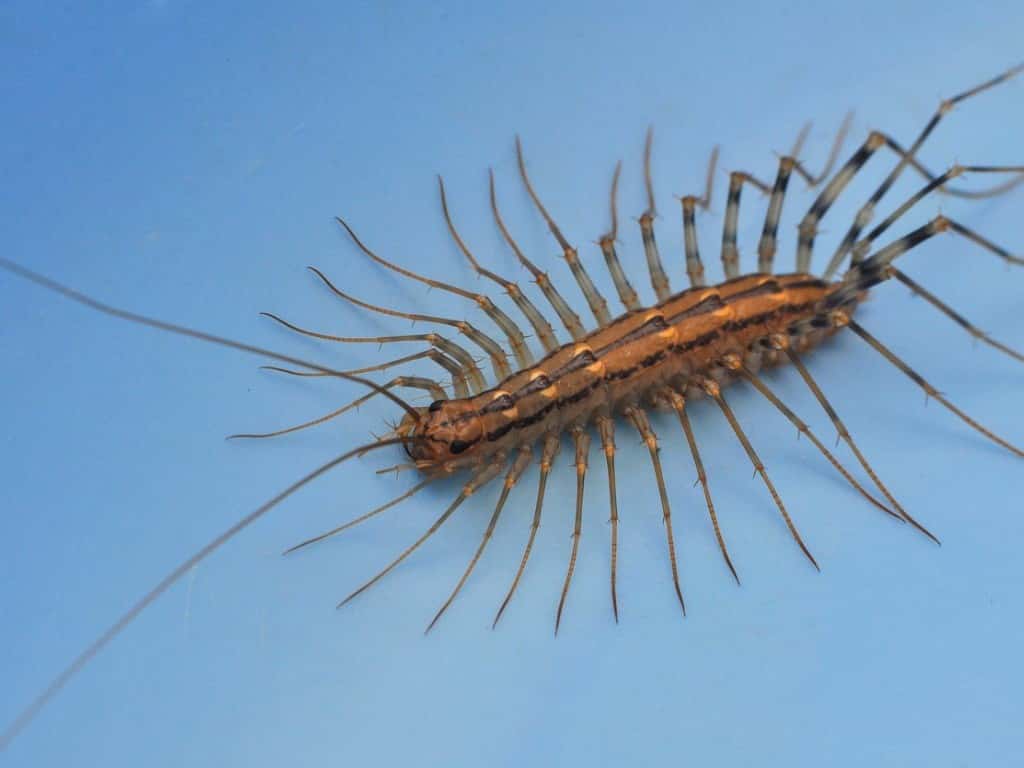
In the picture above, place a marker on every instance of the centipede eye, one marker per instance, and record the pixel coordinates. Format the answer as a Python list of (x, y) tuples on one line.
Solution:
[(435, 406), (458, 446)]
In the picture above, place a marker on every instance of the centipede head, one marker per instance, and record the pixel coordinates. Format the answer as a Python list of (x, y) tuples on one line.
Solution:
[(444, 434)]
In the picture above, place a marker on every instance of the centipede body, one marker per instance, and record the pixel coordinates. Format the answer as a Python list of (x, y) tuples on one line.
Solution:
[(683, 348)]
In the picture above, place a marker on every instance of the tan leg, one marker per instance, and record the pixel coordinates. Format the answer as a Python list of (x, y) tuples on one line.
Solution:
[(582, 440), (627, 295), (606, 428)]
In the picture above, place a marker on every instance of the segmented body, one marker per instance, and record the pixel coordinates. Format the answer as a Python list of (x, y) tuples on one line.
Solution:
[(687, 345)]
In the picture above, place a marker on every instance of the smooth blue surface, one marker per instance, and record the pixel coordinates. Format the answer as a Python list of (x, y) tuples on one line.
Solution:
[(185, 159)]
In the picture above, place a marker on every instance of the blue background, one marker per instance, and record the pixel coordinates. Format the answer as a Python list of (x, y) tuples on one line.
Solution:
[(185, 159)]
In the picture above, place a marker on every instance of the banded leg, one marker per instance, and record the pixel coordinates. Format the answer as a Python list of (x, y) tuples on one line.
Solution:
[(606, 428), (694, 267), (730, 253), (539, 323), (550, 449), (733, 363), (569, 319), (497, 355), (861, 248), (659, 280), (955, 316), (678, 403), (520, 463), (929, 390), (768, 244), (712, 389), (781, 343), (582, 440), (413, 382), (643, 426), (452, 357), (598, 305), (866, 212), (627, 295), (483, 476)]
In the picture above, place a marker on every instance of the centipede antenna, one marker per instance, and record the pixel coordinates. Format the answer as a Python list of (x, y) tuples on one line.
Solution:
[(643, 426), (482, 340), (399, 381), (362, 518), (582, 440), (28, 714), (955, 316), (179, 330), (678, 403), (627, 295), (569, 319), (552, 444), (606, 429), (522, 460), (481, 477), (712, 389), (368, 369), (597, 303), (659, 280), (929, 390), (844, 433)]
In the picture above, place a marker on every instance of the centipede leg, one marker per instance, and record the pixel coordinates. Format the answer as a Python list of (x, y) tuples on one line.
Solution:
[(712, 389), (627, 294), (659, 280), (694, 266), (606, 429), (864, 215), (582, 440), (929, 390), (955, 316), (570, 320), (550, 449), (643, 426), (678, 403), (597, 303), (730, 251), (782, 344), (734, 364), (520, 463), (480, 478)]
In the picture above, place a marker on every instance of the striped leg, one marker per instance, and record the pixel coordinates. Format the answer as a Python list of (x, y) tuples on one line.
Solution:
[(606, 428), (643, 426), (520, 463), (483, 476), (694, 267), (569, 319), (955, 316), (552, 444), (538, 322), (678, 404), (597, 303), (929, 390), (712, 389), (497, 355), (462, 368), (627, 295), (512, 331), (730, 253), (659, 280), (866, 212), (582, 440)]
